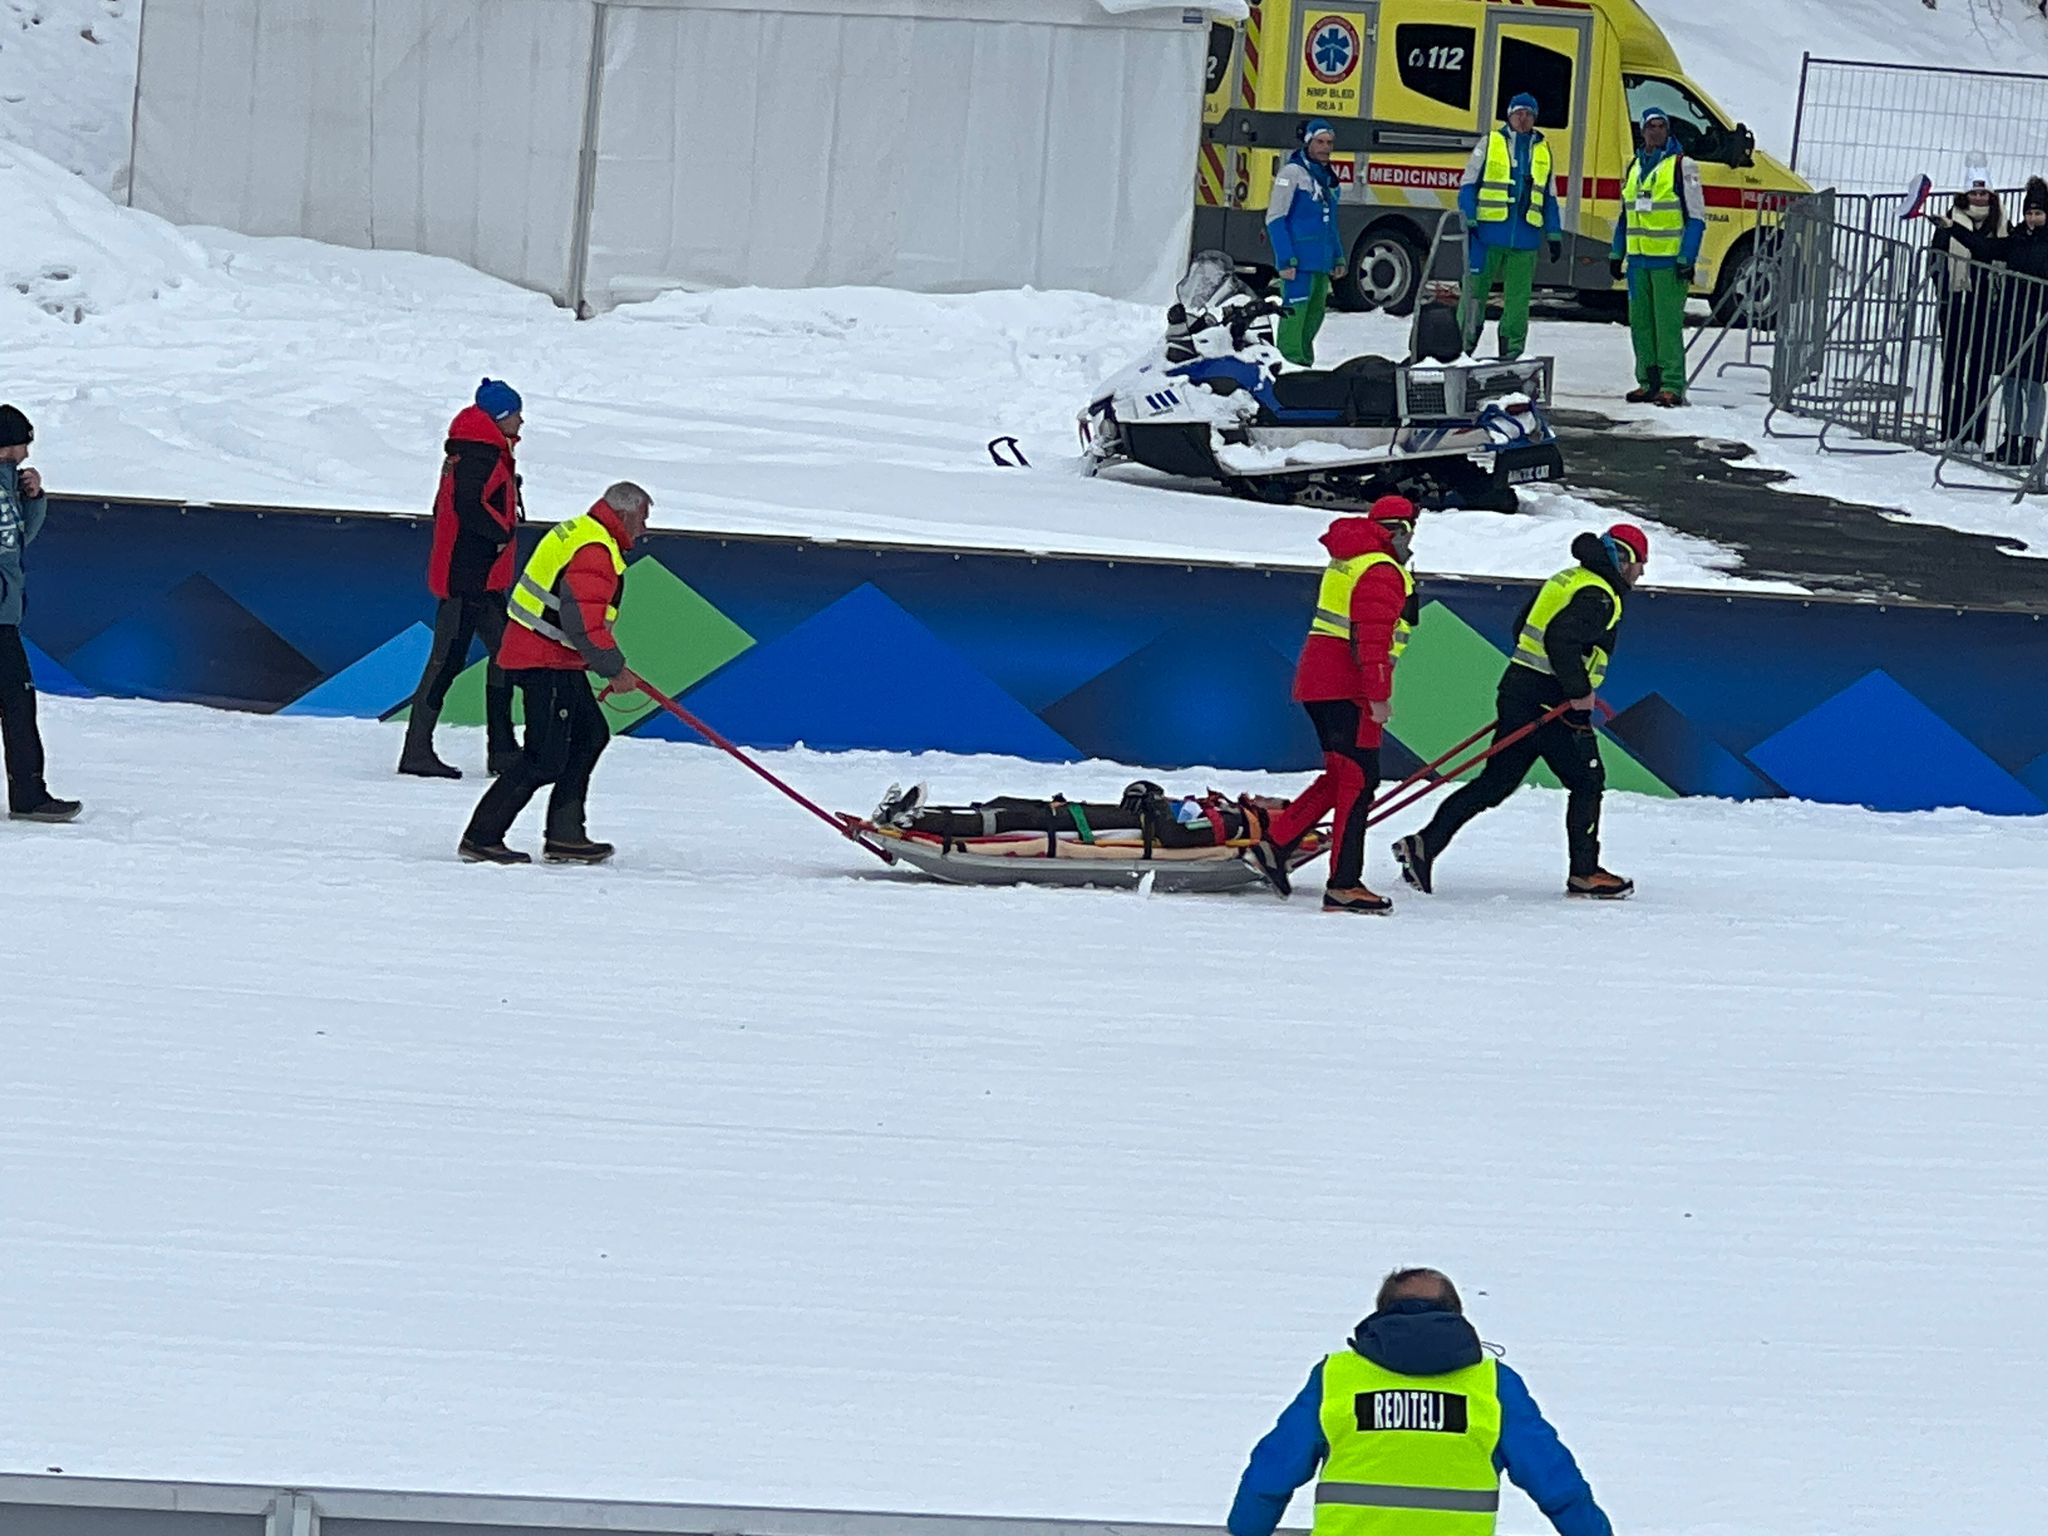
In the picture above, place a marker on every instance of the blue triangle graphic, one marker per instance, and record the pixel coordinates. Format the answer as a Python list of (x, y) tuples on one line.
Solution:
[(50, 675), (1875, 744), (863, 675), (375, 685)]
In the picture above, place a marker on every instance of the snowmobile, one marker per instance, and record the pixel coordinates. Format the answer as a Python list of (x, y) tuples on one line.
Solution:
[(1217, 402), (1174, 842)]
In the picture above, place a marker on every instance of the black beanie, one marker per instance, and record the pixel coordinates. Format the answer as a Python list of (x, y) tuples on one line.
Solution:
[(15, 432), (2037, 195)]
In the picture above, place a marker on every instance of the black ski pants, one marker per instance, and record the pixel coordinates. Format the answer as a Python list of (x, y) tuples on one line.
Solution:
[(19, 735), (457, 622), (1354, 774), (1573, 755), (566, 733)]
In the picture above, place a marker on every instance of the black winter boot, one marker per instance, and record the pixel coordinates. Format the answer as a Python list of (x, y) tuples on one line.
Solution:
[(418, 757)]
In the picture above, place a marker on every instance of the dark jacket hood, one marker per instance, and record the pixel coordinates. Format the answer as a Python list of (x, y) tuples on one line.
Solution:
[(1418, 1338), (1349, 537), (473, 425), (1592, 554)]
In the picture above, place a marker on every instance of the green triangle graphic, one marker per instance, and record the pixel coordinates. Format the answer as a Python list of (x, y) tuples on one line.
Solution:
[(1443, 691), (670, 634)]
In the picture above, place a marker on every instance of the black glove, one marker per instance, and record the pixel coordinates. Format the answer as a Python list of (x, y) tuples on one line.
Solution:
[(1579, 719), (1614, 268), (1685, 272), (1556, 248)]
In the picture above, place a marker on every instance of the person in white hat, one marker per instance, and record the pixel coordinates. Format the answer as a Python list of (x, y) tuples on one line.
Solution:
[(1966, 360)]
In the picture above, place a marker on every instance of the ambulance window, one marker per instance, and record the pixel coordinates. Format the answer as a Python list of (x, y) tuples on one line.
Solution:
[(1436, 62), (1544, 73), (1691, 122), (1222, 44)]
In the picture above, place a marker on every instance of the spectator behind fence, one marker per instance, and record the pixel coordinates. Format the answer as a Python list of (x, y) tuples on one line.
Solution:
[(1966, 360), (2016, 317)]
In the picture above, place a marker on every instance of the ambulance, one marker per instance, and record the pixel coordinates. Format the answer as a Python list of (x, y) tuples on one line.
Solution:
[(1410, 86)]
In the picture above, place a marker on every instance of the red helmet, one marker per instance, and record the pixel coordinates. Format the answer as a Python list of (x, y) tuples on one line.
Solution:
[(1637, 541), (1392, 509)]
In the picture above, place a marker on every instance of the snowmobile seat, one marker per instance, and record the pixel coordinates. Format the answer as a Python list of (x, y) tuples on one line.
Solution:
[(1359, 392)]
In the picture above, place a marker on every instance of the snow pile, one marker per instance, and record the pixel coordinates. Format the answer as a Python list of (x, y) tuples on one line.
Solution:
[(67, 83), (345, 1194), (69, 254)]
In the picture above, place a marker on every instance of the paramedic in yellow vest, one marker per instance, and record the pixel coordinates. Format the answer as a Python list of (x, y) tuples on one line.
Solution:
[(558, 629), (1657, 246), (1564, 640), (1365, 607), (1407, 1430), (1509, 199)]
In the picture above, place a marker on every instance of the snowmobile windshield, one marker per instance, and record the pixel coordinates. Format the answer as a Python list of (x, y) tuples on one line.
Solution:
[(1211, 279)]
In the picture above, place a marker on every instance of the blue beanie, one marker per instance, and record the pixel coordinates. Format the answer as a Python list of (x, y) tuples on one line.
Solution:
[(497, 399), (1655, 115), (1314, 126), (1523, 103)]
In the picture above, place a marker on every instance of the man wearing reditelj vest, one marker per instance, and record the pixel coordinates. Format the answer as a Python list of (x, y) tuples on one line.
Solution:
[(1407, 1430)]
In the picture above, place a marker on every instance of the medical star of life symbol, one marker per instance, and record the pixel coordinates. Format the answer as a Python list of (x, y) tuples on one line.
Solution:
[(1332, 50)]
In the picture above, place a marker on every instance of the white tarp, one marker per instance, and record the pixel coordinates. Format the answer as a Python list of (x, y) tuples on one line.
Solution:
[(940, 145)]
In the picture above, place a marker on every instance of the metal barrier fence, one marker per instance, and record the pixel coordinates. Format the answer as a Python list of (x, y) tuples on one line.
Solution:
[(1871, 127), (74, 1506), (1908, 346)]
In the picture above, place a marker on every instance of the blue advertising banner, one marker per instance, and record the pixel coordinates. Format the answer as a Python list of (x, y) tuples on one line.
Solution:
[(1161, 665)]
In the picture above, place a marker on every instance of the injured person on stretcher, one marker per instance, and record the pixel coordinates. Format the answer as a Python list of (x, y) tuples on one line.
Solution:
[(1176, 842)]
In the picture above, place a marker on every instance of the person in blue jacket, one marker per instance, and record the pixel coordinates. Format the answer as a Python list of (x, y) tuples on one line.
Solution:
[(1308, 253), (1416, 1402), (1657, 244), (1508, 196)]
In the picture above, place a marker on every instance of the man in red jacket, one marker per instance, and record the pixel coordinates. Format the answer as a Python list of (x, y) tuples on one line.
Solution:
[(470, 570), (1345, 680), (561, 614)]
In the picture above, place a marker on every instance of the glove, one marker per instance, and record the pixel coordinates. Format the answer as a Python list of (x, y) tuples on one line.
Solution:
[(1614, 268), (1580, 715), (1685, 271), (1556, 248), (1287, 273)]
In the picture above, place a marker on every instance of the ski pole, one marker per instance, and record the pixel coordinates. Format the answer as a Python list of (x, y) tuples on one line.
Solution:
[(732, 751), (1423, 791)]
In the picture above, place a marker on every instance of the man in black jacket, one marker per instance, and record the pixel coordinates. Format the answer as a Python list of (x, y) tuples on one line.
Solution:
[(1564, 640)]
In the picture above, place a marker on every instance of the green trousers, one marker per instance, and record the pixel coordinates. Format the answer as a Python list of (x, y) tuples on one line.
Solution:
[(1303, 317), (1515, 271), (1656, 320)]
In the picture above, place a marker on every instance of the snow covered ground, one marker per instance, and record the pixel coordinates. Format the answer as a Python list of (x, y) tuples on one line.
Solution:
[(317, 1169)]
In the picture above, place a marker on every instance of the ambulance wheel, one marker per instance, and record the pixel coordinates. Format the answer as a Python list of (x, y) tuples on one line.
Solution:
[(1758, 306), (1385, 271)]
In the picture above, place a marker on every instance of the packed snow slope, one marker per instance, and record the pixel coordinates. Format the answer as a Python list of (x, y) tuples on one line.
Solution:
[(321, 1167)]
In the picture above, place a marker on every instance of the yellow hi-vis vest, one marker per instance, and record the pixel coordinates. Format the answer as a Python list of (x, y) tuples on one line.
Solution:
[(1409, 1455), (1550, 602), (534, 601), (1333, 599), (1497, 183), (1653, 208)]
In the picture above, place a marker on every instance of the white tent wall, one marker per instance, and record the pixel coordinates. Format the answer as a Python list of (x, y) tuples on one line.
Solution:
[(917, 145), (941, 145), (422, 125)]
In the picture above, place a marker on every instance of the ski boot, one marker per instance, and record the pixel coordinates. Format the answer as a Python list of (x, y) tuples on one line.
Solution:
[(1418, 865), (1600, 886), (1266, 856), (899, 806)]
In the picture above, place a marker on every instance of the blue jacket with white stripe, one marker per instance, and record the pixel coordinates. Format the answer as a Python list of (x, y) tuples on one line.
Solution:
[(1418, 1338)]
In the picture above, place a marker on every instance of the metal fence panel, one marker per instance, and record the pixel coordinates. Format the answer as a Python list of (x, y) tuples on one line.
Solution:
[(1870, 127)]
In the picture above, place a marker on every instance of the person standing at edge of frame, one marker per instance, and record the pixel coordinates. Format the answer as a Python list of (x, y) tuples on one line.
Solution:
[(1509, 199), (23, 510), (469, 569), (1657, 244), (1308, 252)]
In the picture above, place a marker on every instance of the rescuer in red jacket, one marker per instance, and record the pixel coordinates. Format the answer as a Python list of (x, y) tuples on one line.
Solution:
[(1365, 608), (469, 569), (560, 616)]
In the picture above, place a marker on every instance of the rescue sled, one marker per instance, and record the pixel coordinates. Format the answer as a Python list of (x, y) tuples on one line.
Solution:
[(1193, 843)]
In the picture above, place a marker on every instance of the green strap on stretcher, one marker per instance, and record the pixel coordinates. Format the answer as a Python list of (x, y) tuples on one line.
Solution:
[(1081, 822)]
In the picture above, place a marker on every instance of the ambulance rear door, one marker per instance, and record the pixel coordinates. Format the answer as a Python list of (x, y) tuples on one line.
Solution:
[(1549, 54)]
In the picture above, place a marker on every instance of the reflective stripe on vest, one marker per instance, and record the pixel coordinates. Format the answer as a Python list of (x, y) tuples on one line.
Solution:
[(1658, 228), (1333, 599), (1550, 602), (534, 601), (1409, 1455), (1497, 188)]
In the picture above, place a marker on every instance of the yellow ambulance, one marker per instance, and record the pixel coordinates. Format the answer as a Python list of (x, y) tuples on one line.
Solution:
[(1410, 86)]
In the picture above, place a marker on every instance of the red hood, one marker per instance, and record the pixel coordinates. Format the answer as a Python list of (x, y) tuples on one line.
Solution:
[(1350, 537), (473, 425), (602, 510)]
